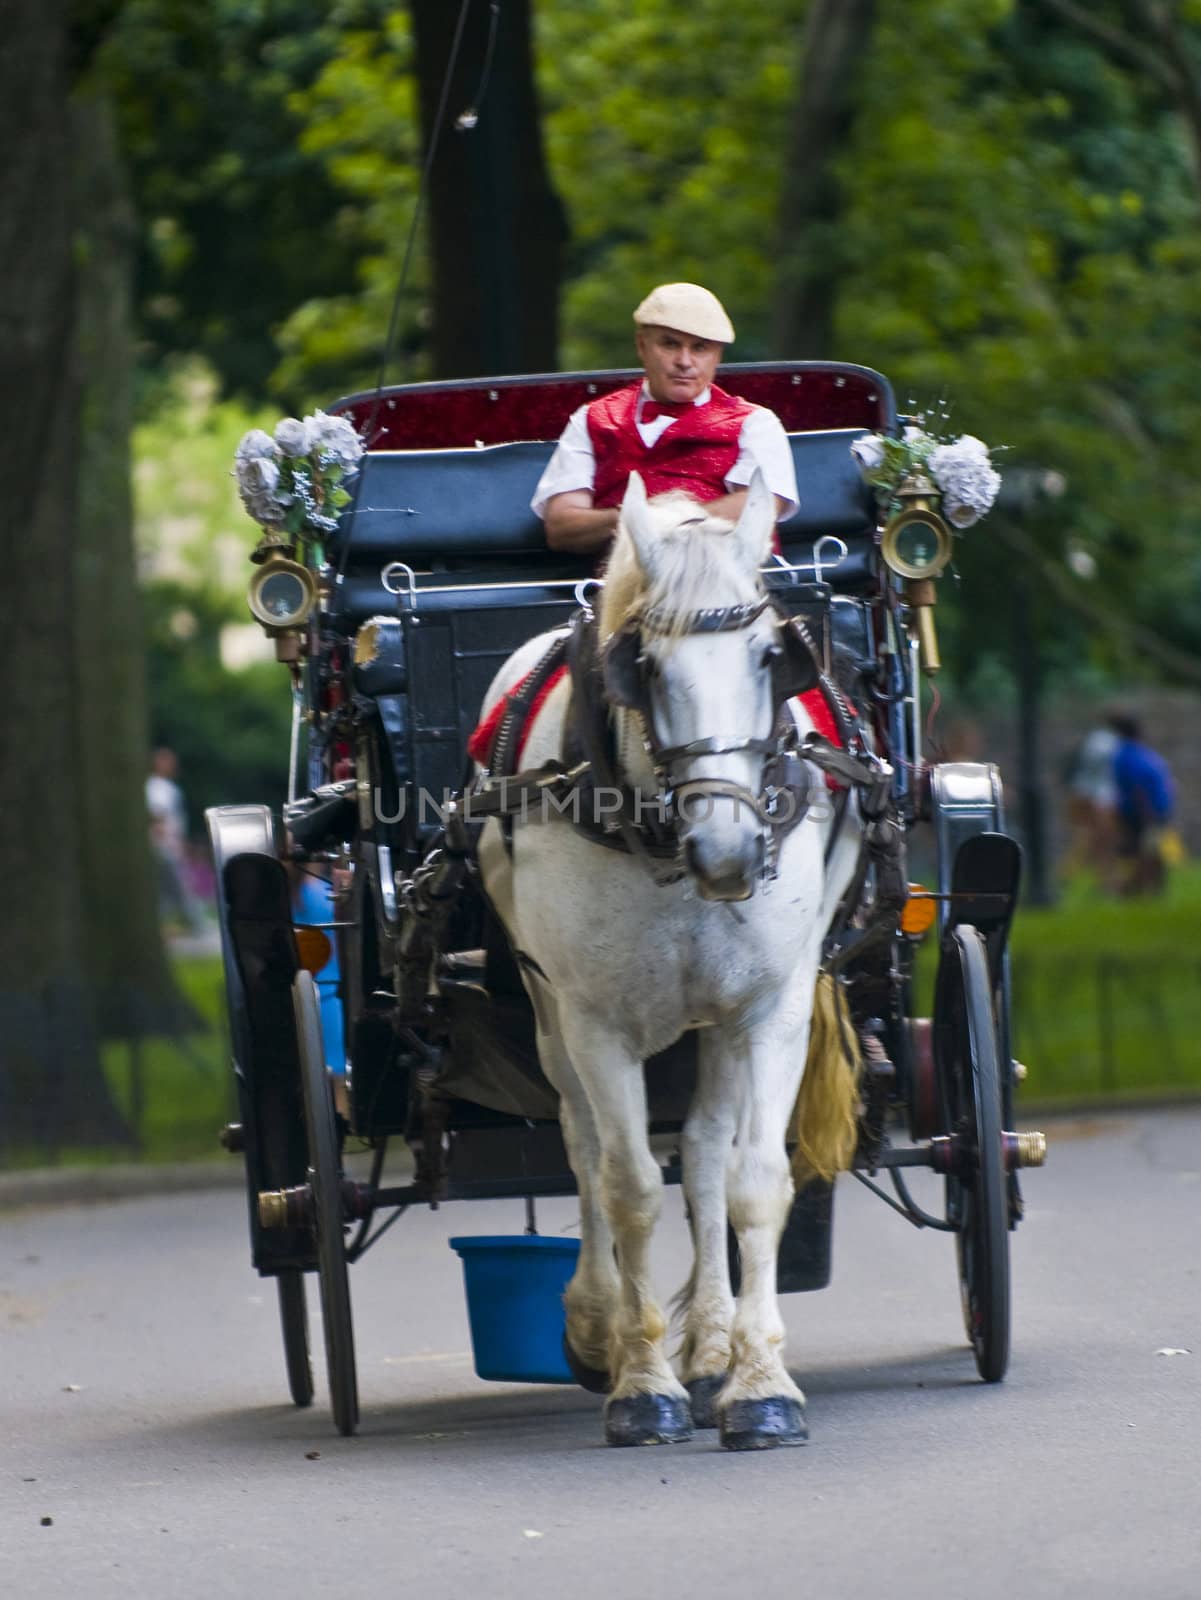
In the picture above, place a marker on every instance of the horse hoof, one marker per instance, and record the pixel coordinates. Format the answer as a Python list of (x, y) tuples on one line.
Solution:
[(594, 1379), (763, 1424), (648, 1419), (703, 1393)]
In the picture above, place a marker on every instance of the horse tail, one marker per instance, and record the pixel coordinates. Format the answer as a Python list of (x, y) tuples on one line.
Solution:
[(825, 1124)]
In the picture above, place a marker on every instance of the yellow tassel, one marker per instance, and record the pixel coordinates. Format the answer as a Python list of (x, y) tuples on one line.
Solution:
[(826, 1119)]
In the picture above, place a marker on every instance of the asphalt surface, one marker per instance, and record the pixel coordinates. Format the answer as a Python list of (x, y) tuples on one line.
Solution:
[(145, 1414)]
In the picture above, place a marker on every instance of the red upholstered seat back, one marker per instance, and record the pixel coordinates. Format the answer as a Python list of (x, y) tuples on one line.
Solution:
[(807, 396)]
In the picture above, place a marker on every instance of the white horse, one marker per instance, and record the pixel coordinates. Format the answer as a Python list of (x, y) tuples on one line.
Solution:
[(618, 966)]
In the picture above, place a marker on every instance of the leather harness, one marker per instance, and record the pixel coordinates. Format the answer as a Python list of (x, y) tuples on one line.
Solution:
[(602, 679)]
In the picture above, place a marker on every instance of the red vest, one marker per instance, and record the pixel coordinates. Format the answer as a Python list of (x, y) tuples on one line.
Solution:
[(694, 454)]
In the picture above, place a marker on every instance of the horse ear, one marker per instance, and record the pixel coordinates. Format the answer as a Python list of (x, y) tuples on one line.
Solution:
[(635, 521), (754, 528)]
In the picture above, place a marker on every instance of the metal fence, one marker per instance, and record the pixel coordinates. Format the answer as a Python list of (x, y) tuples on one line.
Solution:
[(1108, 1024)]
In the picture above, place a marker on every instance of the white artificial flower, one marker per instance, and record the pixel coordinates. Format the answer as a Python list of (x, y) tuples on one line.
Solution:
[(958, 514), (868, 451), (916, 436), (258, 475), (967, 478), (266, 510), (293, 437), (968, 445), (335, 436), (255, 444)]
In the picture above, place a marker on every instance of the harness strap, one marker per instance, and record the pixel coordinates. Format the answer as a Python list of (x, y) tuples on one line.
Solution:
[(503, 755), (510, 796), (865, 772)]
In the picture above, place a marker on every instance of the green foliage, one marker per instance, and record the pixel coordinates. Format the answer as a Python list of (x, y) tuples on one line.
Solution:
[(1022, 237), (229, 727), (240, 222), (359, 120), (664, 128)]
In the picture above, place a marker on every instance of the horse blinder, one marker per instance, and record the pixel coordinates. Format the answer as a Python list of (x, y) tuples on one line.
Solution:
[(793, 667), (622, 670)]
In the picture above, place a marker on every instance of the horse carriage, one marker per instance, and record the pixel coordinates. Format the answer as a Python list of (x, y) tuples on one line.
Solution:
[(436, 575)]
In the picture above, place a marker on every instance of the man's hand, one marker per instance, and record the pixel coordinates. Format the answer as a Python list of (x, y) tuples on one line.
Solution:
[(573, 523)]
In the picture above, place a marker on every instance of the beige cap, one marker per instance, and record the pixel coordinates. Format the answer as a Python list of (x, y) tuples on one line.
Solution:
[(687, 308)]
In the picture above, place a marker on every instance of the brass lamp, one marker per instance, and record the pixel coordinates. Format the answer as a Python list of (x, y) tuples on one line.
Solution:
[(916, 545), (281, 597)]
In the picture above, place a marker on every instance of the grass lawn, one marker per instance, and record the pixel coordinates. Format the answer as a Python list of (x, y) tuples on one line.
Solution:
[(1107, 993), (178, 1094)]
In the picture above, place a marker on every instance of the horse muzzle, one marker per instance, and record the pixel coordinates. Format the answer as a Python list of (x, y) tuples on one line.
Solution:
[(725, 874)]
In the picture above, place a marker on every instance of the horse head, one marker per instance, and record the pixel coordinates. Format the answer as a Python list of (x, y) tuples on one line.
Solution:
[(694, 646)]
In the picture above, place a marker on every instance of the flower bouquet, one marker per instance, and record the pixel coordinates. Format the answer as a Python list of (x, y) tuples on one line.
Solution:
[(291, 484), (959, 470)]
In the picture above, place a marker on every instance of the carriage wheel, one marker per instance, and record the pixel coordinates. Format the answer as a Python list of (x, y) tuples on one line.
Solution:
[(966, 1049), (294, 1320), (325, 1177)]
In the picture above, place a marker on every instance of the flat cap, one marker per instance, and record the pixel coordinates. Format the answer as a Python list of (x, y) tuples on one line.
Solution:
[(687, 308)]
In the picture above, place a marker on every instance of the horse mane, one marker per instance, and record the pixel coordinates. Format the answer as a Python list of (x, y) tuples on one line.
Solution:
[(698, 566)]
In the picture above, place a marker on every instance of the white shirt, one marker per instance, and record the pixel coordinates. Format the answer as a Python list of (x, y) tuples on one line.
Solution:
[(761, 443)]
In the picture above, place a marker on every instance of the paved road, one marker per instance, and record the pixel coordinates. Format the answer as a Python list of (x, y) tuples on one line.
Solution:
[(143, 1411)]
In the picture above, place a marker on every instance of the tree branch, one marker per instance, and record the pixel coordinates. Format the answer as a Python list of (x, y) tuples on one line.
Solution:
[(1163, 21), (1116, 40)]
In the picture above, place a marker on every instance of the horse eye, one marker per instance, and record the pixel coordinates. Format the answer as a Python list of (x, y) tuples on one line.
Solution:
[(771, 655)]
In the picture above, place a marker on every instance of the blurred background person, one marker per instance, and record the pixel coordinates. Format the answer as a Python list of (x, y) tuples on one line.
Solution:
[(179, 910), (1092, 806), (1146, 799)]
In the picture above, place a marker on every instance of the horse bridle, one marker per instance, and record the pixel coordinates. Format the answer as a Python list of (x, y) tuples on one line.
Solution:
[(794, 669)]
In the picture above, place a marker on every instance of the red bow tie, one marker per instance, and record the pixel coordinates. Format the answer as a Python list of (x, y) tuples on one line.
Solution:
[(668, 408)]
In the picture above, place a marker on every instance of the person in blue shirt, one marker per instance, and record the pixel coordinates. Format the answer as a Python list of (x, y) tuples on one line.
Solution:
[(1146, 799)]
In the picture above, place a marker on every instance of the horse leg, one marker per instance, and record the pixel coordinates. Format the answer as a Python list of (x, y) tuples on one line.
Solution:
[(707, 1138), (592, 1294), (760, 1405), (647, 1403)]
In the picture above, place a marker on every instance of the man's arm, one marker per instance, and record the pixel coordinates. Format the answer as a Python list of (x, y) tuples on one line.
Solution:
[(730, 505), (574, 524)]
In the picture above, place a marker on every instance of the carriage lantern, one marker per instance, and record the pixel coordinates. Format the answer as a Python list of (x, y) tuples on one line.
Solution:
[(281, 596), (916, 545)]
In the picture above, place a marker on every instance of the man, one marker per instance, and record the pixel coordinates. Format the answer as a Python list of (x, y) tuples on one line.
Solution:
[(178, 906), (676, 428)]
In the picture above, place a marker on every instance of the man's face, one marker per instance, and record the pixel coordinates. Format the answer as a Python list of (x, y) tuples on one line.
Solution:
[(678, 366)]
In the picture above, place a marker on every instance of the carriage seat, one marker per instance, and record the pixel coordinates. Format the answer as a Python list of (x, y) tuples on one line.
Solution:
[(445, 489), (467, 512)]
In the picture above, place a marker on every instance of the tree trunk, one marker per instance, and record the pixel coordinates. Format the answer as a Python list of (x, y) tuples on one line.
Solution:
[(497, 228), (127, 964), (835, 37), (69, 740)]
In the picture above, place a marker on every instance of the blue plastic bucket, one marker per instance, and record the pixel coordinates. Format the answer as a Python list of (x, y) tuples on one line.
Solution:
[(515, 1285)]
